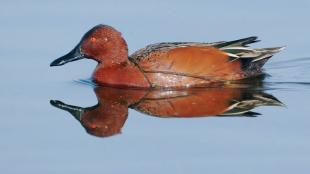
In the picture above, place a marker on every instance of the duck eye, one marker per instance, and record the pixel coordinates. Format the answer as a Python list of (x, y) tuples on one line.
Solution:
[(93, 126), (92, 39)]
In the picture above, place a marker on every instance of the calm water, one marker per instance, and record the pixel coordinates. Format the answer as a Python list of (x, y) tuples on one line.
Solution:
[(36, 137)]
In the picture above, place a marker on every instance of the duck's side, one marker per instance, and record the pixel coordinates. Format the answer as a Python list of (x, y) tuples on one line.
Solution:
[(177, 65)]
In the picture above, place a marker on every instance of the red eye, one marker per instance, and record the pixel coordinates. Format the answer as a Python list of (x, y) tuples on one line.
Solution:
[(92, 39), (93, 126)]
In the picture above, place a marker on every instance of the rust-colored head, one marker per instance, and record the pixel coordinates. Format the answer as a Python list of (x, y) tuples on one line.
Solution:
[(102, 43), (104, 121), (101, 120)]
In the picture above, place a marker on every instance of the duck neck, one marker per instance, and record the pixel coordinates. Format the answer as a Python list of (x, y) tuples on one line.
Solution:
[(115, 57), (120, 74)]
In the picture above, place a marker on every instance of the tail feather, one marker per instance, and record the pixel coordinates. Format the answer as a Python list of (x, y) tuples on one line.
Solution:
[(238, 43), (252, 101), (252, 59), (238, 50), (266, 53)]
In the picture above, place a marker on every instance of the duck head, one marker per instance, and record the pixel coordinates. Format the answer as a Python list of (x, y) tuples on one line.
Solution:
[(102, 43), (97, 120), (108, 116)]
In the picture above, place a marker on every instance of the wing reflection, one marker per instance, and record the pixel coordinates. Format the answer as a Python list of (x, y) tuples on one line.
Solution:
[(110, 114)]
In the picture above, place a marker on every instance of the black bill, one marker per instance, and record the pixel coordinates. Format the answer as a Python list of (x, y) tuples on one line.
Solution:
[(73, 55)]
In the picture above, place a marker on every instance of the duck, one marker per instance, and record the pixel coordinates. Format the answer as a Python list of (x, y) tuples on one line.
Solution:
[(167, 64), (109, 115)]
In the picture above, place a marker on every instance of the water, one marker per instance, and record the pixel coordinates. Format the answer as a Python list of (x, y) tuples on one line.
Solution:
[(36, 137)]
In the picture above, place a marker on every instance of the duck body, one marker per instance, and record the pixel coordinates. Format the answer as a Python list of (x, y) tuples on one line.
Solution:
[(169, 64), (109, 115)]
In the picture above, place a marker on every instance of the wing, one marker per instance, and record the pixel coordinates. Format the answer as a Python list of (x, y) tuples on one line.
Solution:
[(188, 103), (163, 47), (226, 60)]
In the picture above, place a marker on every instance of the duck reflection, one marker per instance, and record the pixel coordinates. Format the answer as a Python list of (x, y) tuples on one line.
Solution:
[(109, 116)]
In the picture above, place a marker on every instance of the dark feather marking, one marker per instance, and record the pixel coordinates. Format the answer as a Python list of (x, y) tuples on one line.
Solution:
[(171, 64), (243, 42), (171, 105), (183, 74)]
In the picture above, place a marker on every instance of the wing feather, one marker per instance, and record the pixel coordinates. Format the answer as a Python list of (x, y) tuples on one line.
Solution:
[(204, 59)]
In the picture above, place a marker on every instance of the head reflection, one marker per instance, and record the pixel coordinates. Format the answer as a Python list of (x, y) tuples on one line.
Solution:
[(109, 116)]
